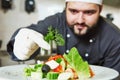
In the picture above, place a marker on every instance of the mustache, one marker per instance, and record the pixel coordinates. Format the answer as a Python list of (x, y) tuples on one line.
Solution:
[(81, 24)]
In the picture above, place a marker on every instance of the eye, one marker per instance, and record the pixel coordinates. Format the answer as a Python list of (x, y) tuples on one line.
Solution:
[(89, 12), (73, 11)]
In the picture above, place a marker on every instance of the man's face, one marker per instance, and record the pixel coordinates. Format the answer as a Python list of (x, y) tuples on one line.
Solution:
[(82, 16)]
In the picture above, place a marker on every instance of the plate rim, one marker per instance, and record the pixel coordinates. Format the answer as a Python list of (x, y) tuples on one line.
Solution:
[(105, 68)]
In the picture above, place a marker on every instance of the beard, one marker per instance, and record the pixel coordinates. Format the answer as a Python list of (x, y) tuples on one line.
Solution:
[(85, 31)]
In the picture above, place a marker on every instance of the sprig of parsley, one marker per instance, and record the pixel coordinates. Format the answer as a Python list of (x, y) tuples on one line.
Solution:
[(54, 35)]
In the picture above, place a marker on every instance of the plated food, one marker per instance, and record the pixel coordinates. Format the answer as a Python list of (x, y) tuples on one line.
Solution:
[(69, 66), (15, 72)]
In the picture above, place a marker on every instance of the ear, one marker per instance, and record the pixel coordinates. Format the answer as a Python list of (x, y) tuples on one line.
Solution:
[(101, 7)]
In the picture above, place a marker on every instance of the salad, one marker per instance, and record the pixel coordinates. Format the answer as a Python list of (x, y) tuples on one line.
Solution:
[(69, 66)]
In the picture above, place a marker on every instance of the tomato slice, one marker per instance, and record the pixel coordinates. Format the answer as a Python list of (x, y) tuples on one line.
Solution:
[(58, 69), (91, 72), (55, 57)]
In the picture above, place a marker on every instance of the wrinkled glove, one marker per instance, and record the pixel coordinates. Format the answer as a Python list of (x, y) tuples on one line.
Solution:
[(27, 41)]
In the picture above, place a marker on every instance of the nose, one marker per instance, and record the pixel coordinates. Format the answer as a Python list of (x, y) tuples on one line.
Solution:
[(80, 18)]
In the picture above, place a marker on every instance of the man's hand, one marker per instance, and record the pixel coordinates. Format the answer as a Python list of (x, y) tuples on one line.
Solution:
[(27, 41)]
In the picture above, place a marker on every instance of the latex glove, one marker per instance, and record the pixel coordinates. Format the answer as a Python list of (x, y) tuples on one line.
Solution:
[(27, 41)]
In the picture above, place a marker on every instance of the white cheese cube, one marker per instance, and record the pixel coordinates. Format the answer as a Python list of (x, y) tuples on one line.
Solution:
[(53, 64), (65, 76), (36, 75)]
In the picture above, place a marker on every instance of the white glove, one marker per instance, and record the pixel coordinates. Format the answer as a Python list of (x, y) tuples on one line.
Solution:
[(27, 41)]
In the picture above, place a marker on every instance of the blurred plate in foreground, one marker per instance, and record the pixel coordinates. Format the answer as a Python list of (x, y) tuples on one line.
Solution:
[(15, 72)]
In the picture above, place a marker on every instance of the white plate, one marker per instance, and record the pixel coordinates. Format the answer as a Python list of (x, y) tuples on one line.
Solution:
[(104, 73), (16, 72)]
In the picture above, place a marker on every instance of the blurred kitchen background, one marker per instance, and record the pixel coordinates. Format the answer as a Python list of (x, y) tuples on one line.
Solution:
[(15, 15)]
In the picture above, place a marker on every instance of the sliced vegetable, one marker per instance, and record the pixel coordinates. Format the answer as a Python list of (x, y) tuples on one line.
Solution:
[(58, 60), (28, 71), (45, 68), (32, 68), (91, 72), (63, 64), (58, 69), (52, 75), (55, 57)]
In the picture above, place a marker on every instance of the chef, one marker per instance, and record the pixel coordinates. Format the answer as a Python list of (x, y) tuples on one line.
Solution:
[(81, 25)]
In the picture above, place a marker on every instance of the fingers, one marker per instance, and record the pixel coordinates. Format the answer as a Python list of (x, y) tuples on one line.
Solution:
[(38, 39), (27, 41), (24, 47)]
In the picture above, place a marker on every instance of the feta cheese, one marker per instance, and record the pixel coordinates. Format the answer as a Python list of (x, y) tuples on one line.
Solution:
[(53, 64)]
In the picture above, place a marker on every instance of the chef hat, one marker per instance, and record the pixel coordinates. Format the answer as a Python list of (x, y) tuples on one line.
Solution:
[(89, 1)]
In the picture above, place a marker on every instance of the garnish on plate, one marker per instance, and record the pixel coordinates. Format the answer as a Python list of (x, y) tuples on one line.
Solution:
[(69, 66)]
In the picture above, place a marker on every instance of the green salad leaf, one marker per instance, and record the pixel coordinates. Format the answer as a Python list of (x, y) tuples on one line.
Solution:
[(76, 62), (28, 70)]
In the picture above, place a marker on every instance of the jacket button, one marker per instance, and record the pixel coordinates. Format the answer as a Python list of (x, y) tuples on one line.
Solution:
[(68, 35), (86, 54), (90, 40), (67, 51)]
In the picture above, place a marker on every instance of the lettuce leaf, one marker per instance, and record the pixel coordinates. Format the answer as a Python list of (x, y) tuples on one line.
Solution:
[(76, 62)]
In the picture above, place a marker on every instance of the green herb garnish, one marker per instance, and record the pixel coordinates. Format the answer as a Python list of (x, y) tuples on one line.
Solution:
[(53, 35)]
